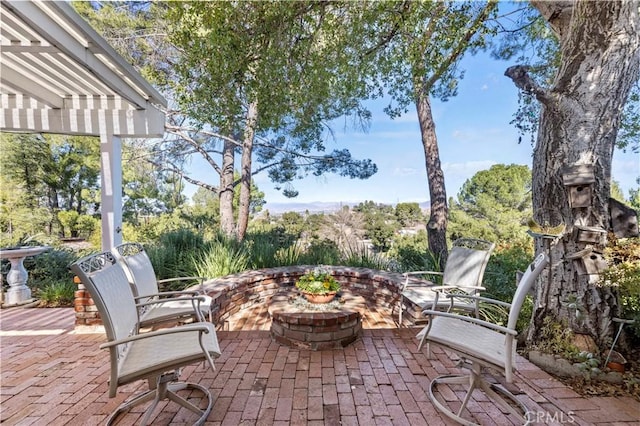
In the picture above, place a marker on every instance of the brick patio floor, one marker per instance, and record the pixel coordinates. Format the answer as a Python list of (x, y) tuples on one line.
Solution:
[(52, 375)]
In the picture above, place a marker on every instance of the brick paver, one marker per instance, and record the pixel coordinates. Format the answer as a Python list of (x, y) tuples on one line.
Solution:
[(51, 375)]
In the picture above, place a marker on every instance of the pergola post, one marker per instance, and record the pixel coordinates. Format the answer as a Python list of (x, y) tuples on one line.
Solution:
[(111, 194)]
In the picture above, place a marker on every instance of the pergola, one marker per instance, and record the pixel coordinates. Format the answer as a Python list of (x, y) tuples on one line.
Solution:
[(57, 75)]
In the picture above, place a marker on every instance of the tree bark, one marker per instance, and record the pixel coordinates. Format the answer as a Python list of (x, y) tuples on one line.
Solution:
[(227, 222), (600, 47), (439, 210), (245, 165)]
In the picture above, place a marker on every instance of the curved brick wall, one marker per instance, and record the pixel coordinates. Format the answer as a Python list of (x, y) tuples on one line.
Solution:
[(233, 293)]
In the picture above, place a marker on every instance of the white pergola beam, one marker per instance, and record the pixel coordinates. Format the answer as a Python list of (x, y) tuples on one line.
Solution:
[(70, 46), (57, 75), (41, 92), (127, 124)]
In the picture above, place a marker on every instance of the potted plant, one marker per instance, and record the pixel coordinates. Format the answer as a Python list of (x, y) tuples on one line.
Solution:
[(318, 286)]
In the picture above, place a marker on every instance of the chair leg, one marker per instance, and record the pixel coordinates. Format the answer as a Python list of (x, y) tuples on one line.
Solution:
[(474, 381), (165, 388)]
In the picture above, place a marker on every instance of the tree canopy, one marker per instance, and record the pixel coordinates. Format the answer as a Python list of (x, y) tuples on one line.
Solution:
[(494, 204)]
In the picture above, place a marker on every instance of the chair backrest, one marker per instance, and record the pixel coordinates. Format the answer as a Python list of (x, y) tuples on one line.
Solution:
[(466, 263), (107, 283), (138, 268), (526, 283)]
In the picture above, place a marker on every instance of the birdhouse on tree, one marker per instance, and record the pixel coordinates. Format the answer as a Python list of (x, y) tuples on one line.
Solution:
[(589, 262), (590, 235), (624, 219), (579, 180)]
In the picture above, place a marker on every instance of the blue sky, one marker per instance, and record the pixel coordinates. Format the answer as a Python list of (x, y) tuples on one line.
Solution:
[(473, 133)]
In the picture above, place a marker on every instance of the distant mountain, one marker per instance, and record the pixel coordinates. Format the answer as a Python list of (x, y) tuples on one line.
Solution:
[(312, 207), (319, 206)]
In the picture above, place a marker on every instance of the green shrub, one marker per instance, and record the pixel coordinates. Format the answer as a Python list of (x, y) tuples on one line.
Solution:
[(505, 261), (623, 257), (50, 267), (55, 294), (500, 279), (172, 256), (322, 252), (411, 253), (285, 256), (360, 255), (220, 259)]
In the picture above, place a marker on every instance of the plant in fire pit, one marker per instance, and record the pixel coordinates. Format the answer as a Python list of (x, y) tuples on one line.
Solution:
[(318, 286)]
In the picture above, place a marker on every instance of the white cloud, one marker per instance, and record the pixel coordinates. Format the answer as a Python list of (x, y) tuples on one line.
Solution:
[(468, 168), (405, 171)]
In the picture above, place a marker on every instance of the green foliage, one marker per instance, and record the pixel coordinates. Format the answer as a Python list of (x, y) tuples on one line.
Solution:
[(361, 256), (623, 257), (408, 214), (50, 266), (172, 256), (616, 192), (410, 253), (318, 281), (322, 252), (526, 39), (271, 248), (220, 259), (294, 102), (556, 338), (289, 255), (68, 220), (493, 205), (43, 174), (86, 225), (153, 228), (634, 198), (587, 363), (431, 38), (506, 260), (380, 232), (500, 277), (57, 293), (293, 222)]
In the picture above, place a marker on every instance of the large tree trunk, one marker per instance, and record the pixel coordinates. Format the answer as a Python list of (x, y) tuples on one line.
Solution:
[(226, 190), (600, 46), (437, 224), (245, 177)]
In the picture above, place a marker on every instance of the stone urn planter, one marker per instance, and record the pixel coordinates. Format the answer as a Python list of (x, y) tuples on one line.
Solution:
[(319, 298), (318, 285)]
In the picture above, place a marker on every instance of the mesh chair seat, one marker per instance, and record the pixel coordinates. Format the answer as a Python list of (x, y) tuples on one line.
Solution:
[(146, 357)]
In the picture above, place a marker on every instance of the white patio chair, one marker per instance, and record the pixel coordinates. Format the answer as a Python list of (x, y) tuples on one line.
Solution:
[(156, 356), (480, 344), (463, 273), (156, 306)]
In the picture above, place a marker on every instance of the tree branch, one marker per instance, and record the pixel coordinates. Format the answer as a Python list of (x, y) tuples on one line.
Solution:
[(524, 82)]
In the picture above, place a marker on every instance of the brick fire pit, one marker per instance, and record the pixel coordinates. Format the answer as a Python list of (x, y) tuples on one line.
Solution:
[(302, 325)]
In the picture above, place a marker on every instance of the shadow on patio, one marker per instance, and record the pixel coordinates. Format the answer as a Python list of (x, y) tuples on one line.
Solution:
[(52, 375)]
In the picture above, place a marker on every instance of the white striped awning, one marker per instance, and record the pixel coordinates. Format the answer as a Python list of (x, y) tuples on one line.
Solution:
[(57, 75)]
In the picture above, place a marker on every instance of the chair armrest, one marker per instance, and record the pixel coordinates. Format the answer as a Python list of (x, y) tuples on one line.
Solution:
[(406, 274), (167, 280), (181, 329), (197, 299), (479, 298), (472, 320), (461, 287), (170, 294), (421, 283)]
